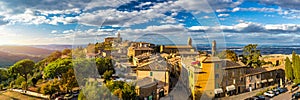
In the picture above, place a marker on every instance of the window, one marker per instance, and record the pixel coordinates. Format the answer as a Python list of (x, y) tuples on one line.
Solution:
[(217, 76), (257, 76), (217, 85), (151, 74), (217, 66)]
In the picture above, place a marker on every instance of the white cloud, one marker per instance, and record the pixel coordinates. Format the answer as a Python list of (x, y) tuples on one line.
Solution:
[(250, 27), (294, 4), (54, 31), (236, 9), (223, 15)]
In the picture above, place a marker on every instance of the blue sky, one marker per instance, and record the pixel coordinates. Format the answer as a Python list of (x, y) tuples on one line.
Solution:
[(83, 21)]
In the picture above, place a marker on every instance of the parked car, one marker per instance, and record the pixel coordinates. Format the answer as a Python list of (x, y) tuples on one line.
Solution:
[(276, 91), (261, 97), (295, 96), (269, 94), (294, 88), (282, 90)]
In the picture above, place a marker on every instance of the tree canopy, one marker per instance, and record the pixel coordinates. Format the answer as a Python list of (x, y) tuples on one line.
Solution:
[(23, 68), (228, 54), (251, 56), (288, 69), (57, 68)]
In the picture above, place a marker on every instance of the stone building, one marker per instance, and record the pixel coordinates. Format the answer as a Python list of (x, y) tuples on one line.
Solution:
[(138, 48), (232, 81), (159, 72), (146, 89), (263, 77), (117, 39), (181, 49)]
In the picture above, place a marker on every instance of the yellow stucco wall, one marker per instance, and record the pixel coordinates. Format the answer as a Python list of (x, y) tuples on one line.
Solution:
[(206, 80)]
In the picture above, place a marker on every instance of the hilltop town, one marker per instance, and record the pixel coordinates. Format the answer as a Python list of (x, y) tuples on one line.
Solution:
[(141, 70), (164, 71)]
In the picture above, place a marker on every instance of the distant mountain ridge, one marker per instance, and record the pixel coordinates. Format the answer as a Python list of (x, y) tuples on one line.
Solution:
[(56, 46), (26, 50), (8, 59), (11, 54)]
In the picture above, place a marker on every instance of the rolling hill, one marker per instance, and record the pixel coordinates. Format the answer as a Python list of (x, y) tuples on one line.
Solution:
[(27, 50), (11, 54), (8, 59)]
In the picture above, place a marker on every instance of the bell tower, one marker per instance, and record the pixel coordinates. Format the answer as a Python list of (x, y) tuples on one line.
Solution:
[(189, 42), (214, 48)]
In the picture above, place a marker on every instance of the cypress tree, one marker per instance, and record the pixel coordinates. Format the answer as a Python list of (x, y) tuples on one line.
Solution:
[(288, 69)]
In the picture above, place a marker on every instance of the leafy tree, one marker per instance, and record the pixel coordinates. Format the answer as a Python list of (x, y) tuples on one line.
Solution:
[(122, 89), (23, 68), (57, 68), (251, 55), (104, 64), (288, 69), (93, 91), (3, 75), (85, 69), (50, 87), (296, 68), (107, 75), (68, 81), (78, 53), (54, 56), (66, 52), (228, 54)]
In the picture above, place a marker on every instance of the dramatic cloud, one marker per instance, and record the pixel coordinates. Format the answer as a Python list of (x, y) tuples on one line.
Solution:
[(295, 4), (249, 27), (2, 21)]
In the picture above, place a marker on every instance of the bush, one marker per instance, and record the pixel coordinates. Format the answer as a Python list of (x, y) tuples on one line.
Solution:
[(1, 86), (23, 85), (40, 81), (19, 80), (39, 90), (81, 96)]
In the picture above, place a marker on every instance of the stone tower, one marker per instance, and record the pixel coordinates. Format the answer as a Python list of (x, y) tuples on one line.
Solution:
[(189, 41), (119, 35), (214, 48)]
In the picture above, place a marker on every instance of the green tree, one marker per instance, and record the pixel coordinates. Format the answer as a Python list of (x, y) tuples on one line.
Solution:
[(288, 69), (3, 75), (57, 68), (50, 87), (122, 89), (93, 91), (228, 54), (68, 81), (54, 56), (107, 75), (66, 52), (23, 68), (296, 69), (104, 64), (251, 55)]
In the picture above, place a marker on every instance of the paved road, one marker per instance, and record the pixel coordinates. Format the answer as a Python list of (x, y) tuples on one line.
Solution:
[(284, 96), (243, 95)]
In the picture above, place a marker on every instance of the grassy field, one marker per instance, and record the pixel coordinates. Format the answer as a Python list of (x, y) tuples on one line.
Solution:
[(10, 95)]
